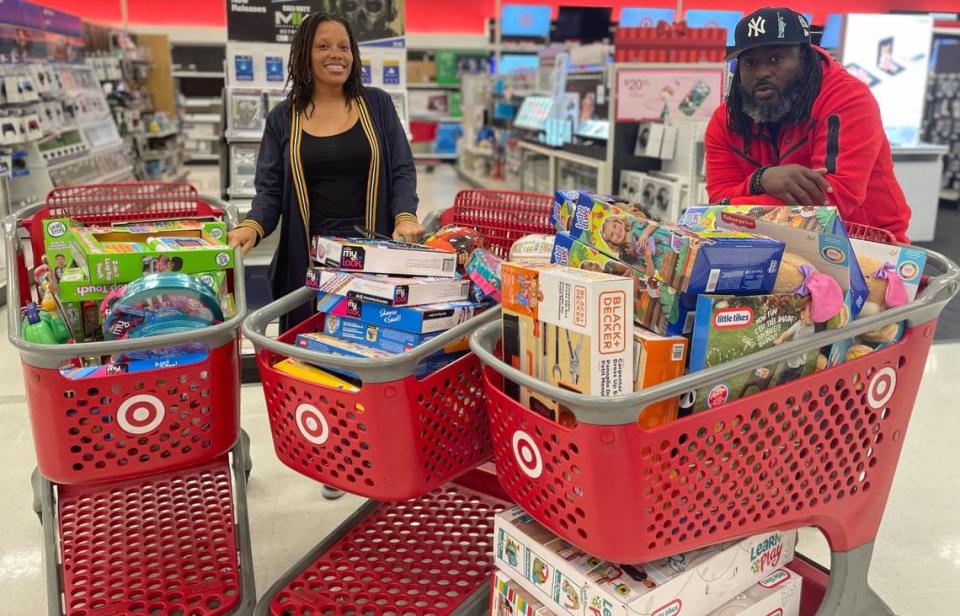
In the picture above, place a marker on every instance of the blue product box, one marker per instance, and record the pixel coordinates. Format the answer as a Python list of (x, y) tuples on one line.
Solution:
[(383, 338), (335, 346), (426, 319)]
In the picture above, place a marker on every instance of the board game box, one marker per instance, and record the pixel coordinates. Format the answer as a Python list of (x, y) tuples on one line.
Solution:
[(778, 594), (426, 319), (385, 290), (383, 257)]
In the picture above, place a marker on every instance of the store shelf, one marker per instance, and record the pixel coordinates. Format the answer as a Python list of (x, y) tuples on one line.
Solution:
[(478, 181), (241, 194), (199, 74), (243, 136), (433, 86), (163, 135), (455, 42), (201, 137), (202, 158), (201, 102), (526, 47), (203, 118), (437, 119), (432, 156)]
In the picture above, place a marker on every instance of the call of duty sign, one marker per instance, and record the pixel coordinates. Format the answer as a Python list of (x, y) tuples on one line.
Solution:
[(275, 21)]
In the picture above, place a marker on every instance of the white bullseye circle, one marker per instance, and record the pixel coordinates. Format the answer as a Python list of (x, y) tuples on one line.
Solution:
[(312, 424), (527, 455), (881, 388), (140, 414)]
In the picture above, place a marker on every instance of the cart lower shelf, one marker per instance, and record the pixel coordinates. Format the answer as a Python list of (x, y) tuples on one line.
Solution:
[(176, 542)]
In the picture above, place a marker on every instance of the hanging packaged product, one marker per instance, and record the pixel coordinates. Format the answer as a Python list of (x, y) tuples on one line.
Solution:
[(568, 581), (386, 290), (383, 257)]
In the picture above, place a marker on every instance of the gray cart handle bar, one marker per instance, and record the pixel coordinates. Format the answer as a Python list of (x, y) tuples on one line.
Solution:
[(51, 356), (626, 408), (369, 370)]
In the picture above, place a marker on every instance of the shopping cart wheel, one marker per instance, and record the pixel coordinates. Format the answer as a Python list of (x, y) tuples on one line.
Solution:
[(36, 485), (245, 452), (849, 593)]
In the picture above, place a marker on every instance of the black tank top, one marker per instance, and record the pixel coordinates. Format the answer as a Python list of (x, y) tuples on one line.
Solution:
[(336, 170)]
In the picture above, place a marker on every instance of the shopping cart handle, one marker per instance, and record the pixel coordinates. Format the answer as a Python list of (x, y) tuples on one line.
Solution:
[(369, 370), (623, 409)]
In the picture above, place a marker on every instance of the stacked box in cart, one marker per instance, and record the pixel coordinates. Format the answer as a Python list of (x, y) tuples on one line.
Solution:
[(509, 599), (689, 260), (426, 319), (330, 345), (382, 338), (388, 291), (383, 257), (778, 594), (569, 581)]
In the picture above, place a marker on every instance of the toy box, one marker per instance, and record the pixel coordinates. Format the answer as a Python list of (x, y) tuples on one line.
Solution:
[(568, 581), (565, 204), (301, 370), (115, 254), (383, 257), (134, 366), (656, 305), (909, 262), (386, 290), (728, 327), (657, 359), (825, 246), (778, 594), (383, 338), (689, 260), (509, 599), (582, 325), (335, 346), (426, 319)]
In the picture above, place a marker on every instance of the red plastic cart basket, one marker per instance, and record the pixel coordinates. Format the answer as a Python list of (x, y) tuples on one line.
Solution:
[(820, 451), (146, 455)]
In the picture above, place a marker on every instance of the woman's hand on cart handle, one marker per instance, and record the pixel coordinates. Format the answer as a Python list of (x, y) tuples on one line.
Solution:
[(408, 230), (244, 237)]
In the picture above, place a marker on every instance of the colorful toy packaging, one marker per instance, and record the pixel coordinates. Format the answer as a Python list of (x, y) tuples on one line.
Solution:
[(729, 327), (335, 346), (426, 319), (483, 270), (657, 359), (108, 255), (568, 581), (534, 249), (687, 259), (314, 374), (572, 328), (656, 305), (566, 202), (388, 291), (509, 599), (778, 594), (822, 219), (460, 240), (383, 257), (383, 338)]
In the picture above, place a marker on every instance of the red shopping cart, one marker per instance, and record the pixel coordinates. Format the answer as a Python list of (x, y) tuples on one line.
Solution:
[(412, 443), (141, 482), (820, 451)]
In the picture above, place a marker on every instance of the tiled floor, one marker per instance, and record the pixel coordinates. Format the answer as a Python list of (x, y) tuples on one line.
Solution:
[(917, 559)]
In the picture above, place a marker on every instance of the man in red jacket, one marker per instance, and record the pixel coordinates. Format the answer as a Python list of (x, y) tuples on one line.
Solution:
[(797, 128)]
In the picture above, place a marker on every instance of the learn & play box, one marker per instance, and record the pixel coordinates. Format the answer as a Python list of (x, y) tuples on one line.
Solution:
[(778, 594)]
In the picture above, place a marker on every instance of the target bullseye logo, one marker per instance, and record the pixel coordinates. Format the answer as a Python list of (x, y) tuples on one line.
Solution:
[(312, 424), (881, 388), (527, 455), (141, 414)]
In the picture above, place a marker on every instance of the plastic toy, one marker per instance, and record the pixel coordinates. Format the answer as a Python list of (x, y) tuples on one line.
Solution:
[(40, 327), (161, 304)]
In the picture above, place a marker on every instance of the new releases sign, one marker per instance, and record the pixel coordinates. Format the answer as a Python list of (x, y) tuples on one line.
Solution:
[(275, 21)]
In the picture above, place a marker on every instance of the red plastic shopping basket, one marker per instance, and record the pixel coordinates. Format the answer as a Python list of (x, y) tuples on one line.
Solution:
[(819, 451), (501, 217), (115, 427)]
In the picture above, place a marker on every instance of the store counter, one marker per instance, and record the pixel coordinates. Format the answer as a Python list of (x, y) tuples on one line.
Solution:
[(919, 170)]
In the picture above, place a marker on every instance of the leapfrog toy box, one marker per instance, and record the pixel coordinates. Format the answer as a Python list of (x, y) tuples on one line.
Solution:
[(656, 305), (691, 260), (568, 581), (383, 257), (778, 594), (108, 255)]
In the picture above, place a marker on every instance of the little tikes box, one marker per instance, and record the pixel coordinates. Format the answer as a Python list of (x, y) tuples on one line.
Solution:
[(778, 594)]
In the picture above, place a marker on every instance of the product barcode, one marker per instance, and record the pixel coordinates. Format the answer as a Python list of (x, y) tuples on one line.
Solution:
[(713, 280), (677, 354), (449, 265)]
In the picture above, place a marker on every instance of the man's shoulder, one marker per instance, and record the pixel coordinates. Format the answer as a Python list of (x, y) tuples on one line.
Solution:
[(841, 87)]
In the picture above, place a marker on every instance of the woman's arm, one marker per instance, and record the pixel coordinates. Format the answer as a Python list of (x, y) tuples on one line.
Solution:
[(403, 170)]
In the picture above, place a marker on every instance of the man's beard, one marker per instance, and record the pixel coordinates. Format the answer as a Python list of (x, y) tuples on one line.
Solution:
[(772, 112)]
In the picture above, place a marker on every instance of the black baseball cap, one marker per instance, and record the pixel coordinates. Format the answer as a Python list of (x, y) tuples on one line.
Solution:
[(770, 26)]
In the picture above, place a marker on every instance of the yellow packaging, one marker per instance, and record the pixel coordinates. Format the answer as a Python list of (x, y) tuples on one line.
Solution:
[(313, 374), (657, 359)]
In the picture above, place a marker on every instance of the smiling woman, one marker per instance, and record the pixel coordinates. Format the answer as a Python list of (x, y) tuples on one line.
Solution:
[(334, 159)]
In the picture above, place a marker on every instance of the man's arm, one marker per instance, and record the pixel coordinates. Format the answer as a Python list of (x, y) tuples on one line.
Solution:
[(726, 181)]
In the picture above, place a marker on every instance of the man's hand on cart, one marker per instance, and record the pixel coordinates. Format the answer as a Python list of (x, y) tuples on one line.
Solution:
[(245, 237), (408, 231)]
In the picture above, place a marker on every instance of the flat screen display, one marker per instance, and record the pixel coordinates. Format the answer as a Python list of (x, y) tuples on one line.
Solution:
[(525, 20), (631, 17), (587, 24), (697, 18), (832, 31), (513, 62)]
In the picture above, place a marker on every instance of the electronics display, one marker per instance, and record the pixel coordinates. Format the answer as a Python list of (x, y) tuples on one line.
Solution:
[(525, 20), (534, 112), (631, 17), (517, 62), (832, 31), (662, 197), (697, 18), (586, 24), (245, 110), (594, 129)]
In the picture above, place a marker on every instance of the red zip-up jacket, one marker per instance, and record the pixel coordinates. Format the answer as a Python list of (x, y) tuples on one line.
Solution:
[(843, 135)]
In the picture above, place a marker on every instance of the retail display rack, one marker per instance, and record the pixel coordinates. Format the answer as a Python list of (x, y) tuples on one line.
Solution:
[(199, 72)]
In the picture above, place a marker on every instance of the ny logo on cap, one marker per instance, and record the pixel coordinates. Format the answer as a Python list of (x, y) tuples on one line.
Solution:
[(757, 26)]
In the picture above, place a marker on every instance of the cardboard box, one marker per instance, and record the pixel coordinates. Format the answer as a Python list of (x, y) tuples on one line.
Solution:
[(108, 255), (566, 202), (510, 599), (383, 257), (335, 346), (383, 338), (820, 218), (582, 325), (657, 359), (426, 319), (650, 136), (689, 260), (568, 581), (778, 594), (656, 305), (421, 71), (313, 374), (386, 290), (908, 262), (729, 327)]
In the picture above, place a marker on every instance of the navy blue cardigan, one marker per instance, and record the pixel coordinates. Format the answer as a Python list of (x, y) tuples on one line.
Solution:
[(282, 197)]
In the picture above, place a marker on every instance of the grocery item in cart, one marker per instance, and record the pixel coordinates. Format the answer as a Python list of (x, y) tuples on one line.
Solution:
[(388, 291), (656, 305), (535, 248), (383, 257), (425, 319), (778, 594), (657, 359), (510, 599), (569, 581), (690, 260)]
